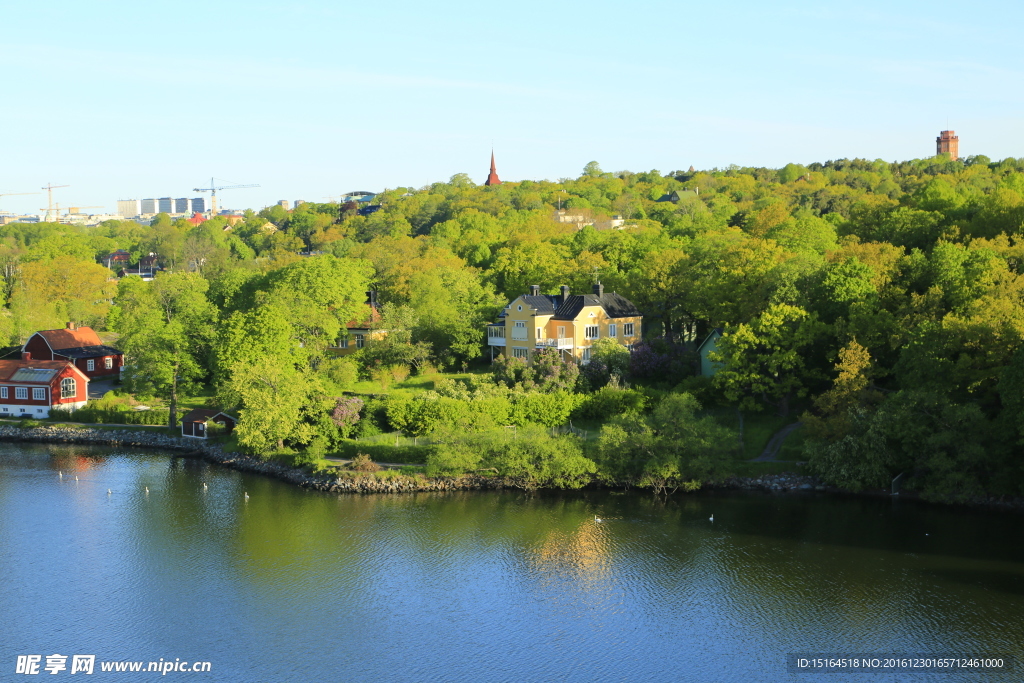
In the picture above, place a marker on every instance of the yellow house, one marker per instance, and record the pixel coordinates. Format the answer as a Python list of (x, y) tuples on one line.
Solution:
[(568, 322), (358, 334)]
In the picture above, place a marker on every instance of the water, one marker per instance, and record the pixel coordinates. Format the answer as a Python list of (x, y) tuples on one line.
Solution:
[(293, 585)]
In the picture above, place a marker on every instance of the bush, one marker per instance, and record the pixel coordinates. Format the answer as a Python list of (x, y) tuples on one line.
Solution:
[(362, 463), (608, 402), (117, 416)]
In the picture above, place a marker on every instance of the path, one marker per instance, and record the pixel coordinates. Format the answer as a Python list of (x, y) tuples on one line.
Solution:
[(772, 449)]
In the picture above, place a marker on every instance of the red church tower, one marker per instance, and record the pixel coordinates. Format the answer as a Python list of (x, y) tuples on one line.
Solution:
[(948, 142), (492, 179)]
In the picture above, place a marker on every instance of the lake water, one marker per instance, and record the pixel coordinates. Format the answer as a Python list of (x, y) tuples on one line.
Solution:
[(292, 585)]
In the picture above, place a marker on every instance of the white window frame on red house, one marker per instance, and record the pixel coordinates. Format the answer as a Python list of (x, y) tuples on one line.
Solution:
[(68, 388), (90, 365), (3, 392), (21, 393), (108, 363), (38, 394)]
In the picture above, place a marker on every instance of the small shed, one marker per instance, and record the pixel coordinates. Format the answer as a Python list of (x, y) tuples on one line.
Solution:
[(195, 423), (708, 368)]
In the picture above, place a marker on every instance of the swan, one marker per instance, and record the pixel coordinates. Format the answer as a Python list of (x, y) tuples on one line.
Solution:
[(108, 492), (598, 519), (712, 517), (247, 495), (147, 489)]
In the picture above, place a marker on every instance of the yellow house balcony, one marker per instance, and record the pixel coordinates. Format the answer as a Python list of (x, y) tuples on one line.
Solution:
[(555, 343)]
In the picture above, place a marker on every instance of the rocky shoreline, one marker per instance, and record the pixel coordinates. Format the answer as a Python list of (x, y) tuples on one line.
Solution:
[(368, 483)]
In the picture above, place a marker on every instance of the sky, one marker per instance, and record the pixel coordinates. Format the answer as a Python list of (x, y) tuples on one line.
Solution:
[(309, 100)]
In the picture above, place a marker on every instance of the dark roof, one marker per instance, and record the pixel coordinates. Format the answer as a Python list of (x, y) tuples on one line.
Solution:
[(542, 302), (614, 305), (11, 352), (204, 415), (88, 351), (717, 331)]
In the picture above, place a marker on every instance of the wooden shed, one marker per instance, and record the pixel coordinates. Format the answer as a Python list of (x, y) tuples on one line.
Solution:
[(196, 423)]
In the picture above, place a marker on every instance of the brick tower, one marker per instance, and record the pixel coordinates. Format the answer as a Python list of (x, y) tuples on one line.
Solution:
[(492, 179), (948, 142)]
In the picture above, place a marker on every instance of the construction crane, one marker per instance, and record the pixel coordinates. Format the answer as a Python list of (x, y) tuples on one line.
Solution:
[(212, 189), (12, 194), (49, 197)]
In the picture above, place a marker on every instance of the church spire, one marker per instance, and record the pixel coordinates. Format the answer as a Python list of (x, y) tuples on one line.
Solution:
[(492, 179)]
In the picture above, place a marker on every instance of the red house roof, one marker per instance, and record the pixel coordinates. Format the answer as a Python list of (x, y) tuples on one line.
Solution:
[(197, 218), (34, 371), (70, 337)]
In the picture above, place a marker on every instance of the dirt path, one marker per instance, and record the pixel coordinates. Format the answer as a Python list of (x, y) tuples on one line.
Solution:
[(775, 443)]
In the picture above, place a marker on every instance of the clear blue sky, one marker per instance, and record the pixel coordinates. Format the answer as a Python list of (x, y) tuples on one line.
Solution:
[(311, 99)]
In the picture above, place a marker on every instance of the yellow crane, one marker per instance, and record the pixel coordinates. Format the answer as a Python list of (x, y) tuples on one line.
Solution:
[(212, 189)]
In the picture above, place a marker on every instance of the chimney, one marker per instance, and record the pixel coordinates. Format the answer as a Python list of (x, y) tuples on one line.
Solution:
[(534, 290), (598, 289), (26, 355), (565, 292), (71, 325)]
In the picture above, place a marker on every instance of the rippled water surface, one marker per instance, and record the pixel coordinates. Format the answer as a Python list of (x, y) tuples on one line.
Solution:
[(291, 585)]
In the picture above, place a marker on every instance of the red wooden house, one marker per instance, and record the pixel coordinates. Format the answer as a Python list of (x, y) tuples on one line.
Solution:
[(79, 345), (32, 388)]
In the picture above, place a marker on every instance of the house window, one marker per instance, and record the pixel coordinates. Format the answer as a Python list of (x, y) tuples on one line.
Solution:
[(519, 352), (68, 388), (540, 333), (496, 332), (561, 331), (586, 354), (3, 392), (519, 330), (627, 329), (360, 341), (591, 332), (343, 342), (613, 330), (21, 392), (90, 365), (108, 363), (38, 394)]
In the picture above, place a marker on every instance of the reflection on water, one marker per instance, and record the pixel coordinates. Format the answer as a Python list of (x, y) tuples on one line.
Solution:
[(295, 585)]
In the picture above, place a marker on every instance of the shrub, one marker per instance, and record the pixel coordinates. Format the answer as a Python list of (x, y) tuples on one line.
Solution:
[(608, 402), (362, 463)]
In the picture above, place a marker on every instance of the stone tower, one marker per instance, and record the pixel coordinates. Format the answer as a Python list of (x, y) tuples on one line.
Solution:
[(948, 142), (492, 179)]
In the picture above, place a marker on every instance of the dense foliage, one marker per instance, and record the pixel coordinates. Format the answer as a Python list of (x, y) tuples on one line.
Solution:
[(888, 295)]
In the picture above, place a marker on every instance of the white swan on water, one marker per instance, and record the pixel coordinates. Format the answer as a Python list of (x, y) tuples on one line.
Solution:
[(712, 517), (247, 495), (598, 519)]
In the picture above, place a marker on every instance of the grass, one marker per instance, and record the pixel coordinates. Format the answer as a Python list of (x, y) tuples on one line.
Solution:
[(758, 429), (412, 385)]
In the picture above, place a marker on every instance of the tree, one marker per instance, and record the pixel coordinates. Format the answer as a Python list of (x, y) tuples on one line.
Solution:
[(166, 329), (765, 361)]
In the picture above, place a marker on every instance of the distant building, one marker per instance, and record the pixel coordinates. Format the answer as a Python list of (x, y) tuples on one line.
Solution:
[(283, 203), (165, 205), (181, 205), (492, 178), (948, 143), (149, 206), (299, 202), (571, 323), (128, 207), (198, 205)]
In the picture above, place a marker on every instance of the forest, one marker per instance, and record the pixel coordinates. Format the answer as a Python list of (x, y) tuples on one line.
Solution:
[(881, 303)]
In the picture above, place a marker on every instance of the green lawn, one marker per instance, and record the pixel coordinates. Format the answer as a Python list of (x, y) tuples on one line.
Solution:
[(412, 385), (758, 429)]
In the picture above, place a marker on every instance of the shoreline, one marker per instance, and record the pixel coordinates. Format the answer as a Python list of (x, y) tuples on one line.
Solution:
[(785, 483)]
